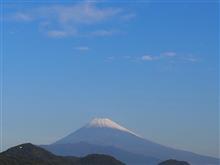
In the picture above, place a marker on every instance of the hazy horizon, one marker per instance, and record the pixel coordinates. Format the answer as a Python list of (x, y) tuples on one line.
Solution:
[(152, 67)]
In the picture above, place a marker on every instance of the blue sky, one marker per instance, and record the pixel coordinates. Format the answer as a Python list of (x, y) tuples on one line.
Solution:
[(150, 66)]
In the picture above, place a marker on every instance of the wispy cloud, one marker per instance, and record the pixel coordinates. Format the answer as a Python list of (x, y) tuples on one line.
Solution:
[(110, 58), (81, 48), (162, 56), (57, 33), (127, 57), (85, 13), (64, 21), (103, 32), (191, 59), (128, 16), (166, 57), (19, 16), (148, 58), (169, 54)]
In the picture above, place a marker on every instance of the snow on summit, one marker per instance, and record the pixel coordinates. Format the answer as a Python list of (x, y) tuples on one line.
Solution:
[(107, 123)]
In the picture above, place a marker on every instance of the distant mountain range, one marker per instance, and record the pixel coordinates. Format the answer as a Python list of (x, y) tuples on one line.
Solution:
[(29, 154), (103, 136), (82, 149)]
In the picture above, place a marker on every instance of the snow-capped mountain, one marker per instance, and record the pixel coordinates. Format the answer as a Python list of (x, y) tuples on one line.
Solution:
[(101, 133), (107, 123)]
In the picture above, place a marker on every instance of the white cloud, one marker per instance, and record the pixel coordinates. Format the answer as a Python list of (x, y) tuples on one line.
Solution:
[(191, 59), (162, 56), (169, 54), (82, 13), (61, 33), (69, 18), (56, 33), (147, 58), (21, 17)]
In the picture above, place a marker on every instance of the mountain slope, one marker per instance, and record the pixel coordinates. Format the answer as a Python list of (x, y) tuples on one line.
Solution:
[(105, 132), (82, 149), (28, 154)]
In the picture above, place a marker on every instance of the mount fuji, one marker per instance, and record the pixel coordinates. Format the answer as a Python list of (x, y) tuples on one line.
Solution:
[(104, 136)]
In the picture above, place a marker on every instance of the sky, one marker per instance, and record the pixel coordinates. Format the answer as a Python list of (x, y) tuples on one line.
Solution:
[(150, 66)]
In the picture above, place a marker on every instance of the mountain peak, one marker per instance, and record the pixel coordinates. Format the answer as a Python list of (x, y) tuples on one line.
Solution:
[(107, 123)]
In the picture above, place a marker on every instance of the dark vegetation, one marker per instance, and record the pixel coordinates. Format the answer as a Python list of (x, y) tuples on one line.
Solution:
[(173, 162), (29, 154)]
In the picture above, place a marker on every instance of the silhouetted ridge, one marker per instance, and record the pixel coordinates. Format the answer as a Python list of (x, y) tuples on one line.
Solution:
[(98, 159), (174, 162), (29, 154), (28, 150)]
